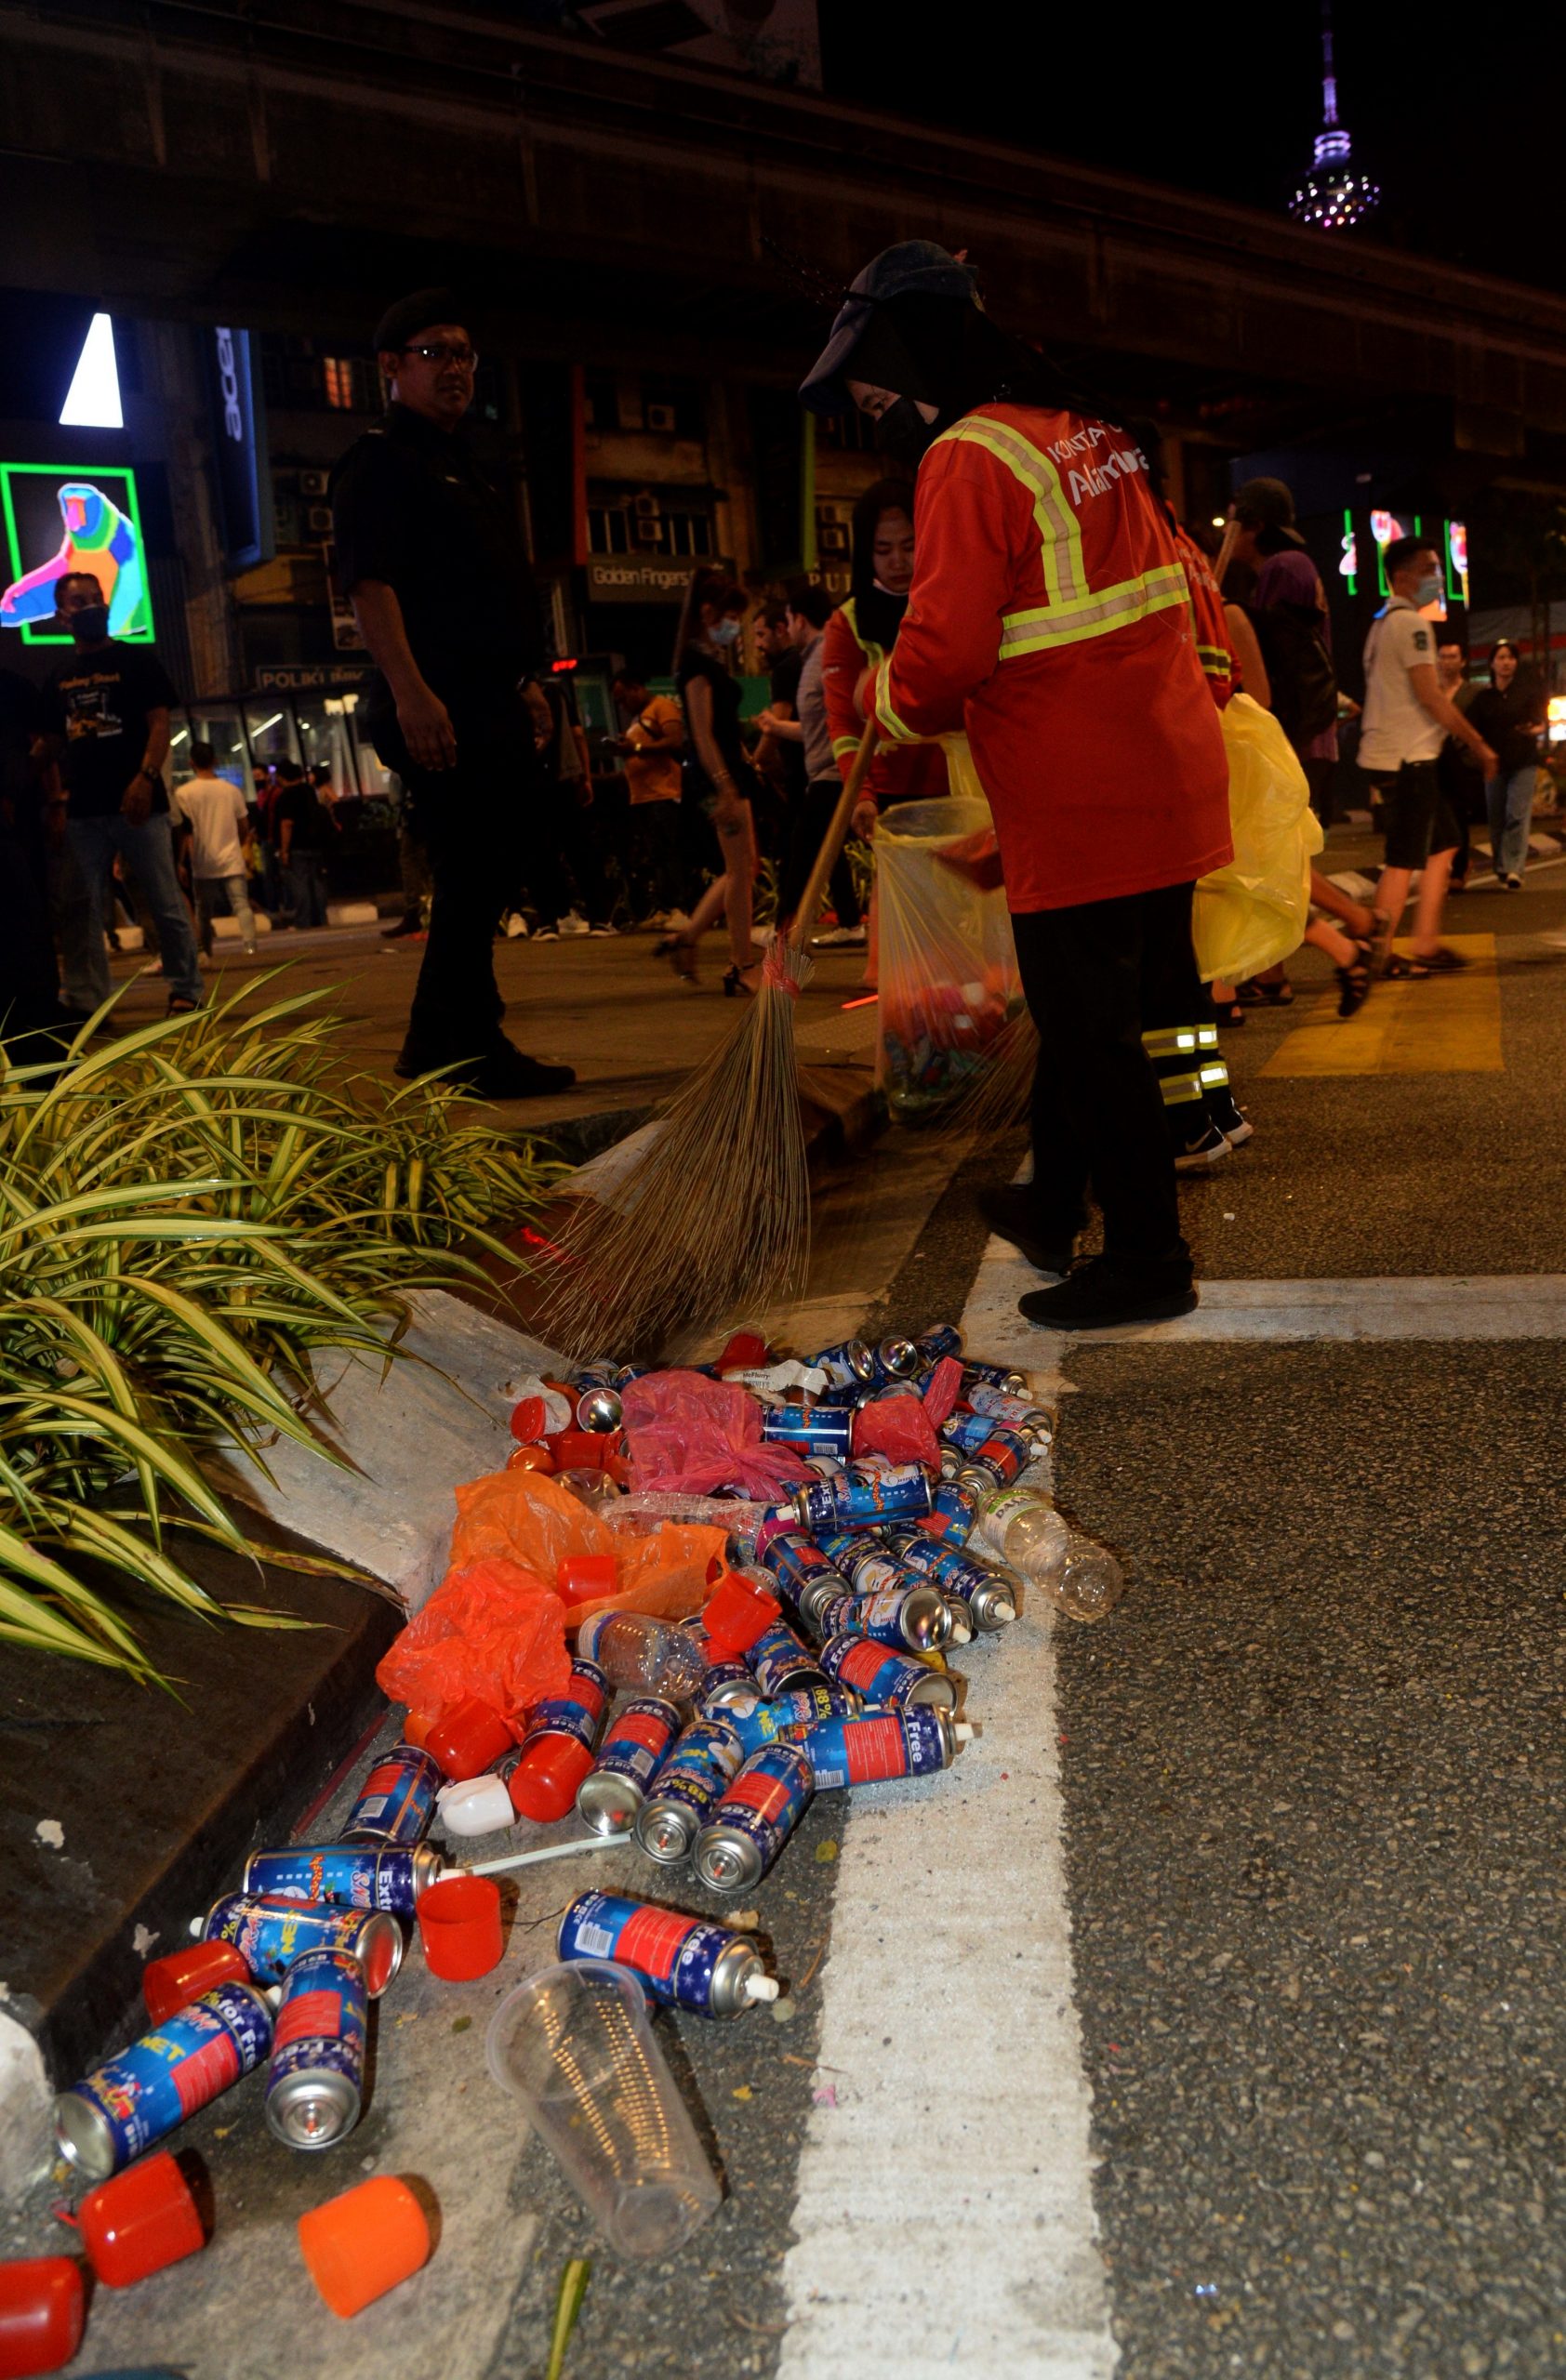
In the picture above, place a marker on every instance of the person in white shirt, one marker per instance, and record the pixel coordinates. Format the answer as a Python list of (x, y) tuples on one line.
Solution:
[(218, 825), (1406, 719)]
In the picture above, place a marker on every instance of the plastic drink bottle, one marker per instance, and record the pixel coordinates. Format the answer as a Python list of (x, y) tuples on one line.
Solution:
[(1089, 1584), (1024, 1531), (644, 1655)]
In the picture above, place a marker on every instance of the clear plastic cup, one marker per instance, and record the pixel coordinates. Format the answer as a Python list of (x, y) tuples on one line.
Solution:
[(574, 2044)]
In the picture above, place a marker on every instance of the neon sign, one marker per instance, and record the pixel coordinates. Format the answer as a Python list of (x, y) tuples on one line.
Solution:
[(73, 518)]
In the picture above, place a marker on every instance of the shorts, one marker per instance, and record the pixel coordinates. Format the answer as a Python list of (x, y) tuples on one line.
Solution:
[(1416, 815)]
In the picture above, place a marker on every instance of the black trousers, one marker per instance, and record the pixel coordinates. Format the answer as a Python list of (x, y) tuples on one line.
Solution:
[(1094, 977), (810, 815), (476, 822)]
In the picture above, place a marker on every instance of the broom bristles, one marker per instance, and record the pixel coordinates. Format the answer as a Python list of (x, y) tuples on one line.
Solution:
[(699, 1231)]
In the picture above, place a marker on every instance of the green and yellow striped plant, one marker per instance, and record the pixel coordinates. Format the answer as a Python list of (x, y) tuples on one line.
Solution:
[(187, 1214)]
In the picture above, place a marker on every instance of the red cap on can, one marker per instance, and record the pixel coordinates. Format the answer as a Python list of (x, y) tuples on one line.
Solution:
[(460, 1927), (172, 1982), (43, 2308), (360, 2245), (470, 1739), (746, 1352), (530, 1419), (738, 1613), (586, 1577), (143, 2219)]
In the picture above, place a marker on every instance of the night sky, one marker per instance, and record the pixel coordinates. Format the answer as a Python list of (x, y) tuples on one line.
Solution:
[(1465, 132)]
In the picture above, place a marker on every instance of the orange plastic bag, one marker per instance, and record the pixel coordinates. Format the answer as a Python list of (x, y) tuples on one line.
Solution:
[(492, 1631), (527, 1517), (665, 1574)]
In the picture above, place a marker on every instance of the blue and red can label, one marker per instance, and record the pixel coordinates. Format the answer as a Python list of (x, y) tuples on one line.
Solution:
[(873, 1671), (991, 1375), (819, 1429), (1001, 1455), (945, 1339), (798, 1564), (190, 2060), (396, 1801), (322, 2019), (870, 1750), (877, 1614), (706, 1756), (578, 1715), (769, 1722), (638, 1739), (865, 1500), (953, 1513), (270, 1931), (353, 1875), (950, 1571), (780, 1660), (768, 1798), (1014, 1412), (673, 1954), (965, 1430)]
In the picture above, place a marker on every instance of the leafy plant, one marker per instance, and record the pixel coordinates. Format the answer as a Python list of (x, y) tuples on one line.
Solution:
[(186, 1215)]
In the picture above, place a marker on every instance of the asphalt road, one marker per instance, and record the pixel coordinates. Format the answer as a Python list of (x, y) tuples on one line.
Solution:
[(1293, 1962)]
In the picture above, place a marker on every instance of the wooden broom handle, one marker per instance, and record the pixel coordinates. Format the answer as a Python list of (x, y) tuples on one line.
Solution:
[(832, 841)]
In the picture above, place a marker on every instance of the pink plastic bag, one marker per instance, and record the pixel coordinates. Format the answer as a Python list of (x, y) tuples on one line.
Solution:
[(900, 1427), (492, 1632), (941, 1390), (686, 1431)]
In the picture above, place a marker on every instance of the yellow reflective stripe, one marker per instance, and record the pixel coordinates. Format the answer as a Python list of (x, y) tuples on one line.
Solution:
[(1170, 1040), (842, 745), (1214, 1075), (1060, 535), (887, 716), (1179, 1091), (1217, 660), (1100, 614)]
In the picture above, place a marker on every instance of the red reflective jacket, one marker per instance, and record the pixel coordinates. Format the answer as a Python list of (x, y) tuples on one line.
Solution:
[(899, 771)]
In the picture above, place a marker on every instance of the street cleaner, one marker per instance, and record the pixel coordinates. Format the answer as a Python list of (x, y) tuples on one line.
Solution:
[(1049, 619)]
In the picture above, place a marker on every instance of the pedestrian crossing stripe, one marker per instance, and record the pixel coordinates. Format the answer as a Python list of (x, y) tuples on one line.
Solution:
[(1445, 1025)]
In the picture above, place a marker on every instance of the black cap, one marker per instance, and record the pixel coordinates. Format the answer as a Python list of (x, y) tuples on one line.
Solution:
[(914, 268), (1270, 503), (420, 311)]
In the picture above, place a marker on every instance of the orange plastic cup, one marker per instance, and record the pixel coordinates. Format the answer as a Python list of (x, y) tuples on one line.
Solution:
[(585, 1577), (172, 1982), (358, 2246), (42, 2309), (737, 1613), (143, 2219), (469, 1740), (460, 1927)]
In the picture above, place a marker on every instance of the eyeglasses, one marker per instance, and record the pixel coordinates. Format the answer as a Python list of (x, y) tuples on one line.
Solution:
[(440, 352)]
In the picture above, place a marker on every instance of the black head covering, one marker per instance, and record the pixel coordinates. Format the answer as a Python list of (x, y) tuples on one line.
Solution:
[(419, 310)]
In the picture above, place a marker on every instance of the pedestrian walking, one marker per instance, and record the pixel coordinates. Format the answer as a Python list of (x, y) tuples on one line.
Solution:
[(431, 559), (304, 832), (565, 870), (1048, 619), (106, 718), (719, 775), (1405, 717), (810, 613), (217, 842), (1461, 784), (1509, 713), (651, 745)]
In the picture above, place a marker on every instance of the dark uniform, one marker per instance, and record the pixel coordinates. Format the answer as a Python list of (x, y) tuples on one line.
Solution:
[(411, 509)]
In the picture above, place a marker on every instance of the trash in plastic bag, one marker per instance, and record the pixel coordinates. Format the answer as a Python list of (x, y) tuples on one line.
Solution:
[(491, 1633), (1254, 912), (683, 1430), (949, 980), (529, 1519), (897, 1427)]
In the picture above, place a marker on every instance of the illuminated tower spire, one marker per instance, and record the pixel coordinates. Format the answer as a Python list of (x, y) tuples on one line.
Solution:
[(1332, 197)]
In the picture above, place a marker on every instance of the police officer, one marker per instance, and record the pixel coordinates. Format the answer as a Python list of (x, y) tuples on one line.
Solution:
[(429, 554)]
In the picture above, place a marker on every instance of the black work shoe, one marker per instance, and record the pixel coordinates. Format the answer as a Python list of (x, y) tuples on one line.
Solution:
[(1230, 1119), (503, 1073), (1010, 1211), (1196, 1144), (1098, 1293)]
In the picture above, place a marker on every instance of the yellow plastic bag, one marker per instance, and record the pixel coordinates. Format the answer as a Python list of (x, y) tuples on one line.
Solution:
[(949, 980), (1254, 912)]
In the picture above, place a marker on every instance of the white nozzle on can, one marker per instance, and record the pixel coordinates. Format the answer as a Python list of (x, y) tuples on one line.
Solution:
[(963, 1730), (761, 1986), (742, 1921), (961, 1632)]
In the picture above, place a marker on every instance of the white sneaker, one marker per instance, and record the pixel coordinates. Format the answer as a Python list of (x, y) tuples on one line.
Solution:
[(660, 922), (516, 926), (573, 924), (547, 933), (677, 920), (602, 934), (841, 938)]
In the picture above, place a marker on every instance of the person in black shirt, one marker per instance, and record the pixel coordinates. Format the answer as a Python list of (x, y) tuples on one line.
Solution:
[(429, 555), (718, 773), (28, 981), (303, 831), (1509, 714), (106, 713)]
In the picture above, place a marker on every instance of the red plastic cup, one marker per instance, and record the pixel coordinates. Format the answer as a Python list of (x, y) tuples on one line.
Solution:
[(738, 1613), (358, 2246), (543, 1784), (469, 1740), (586, 1577), (171, 1983), (460, 1927), (43, 2309), (143, 2219)]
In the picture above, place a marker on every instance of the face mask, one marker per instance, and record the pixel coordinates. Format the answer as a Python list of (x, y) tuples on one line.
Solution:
[(724, 632), (905, 433), (90, 625), (1428, 592)]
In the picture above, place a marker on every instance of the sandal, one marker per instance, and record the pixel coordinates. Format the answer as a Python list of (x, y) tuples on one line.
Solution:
[(680, 951), (1228, 1012), (1415, 970), (1354, 982), (735, 986)]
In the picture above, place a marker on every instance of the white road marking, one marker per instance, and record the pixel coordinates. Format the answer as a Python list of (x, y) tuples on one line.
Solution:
[(945, 2219)]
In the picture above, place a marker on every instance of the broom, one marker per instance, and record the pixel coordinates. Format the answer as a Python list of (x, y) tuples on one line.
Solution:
[(712, 1220)]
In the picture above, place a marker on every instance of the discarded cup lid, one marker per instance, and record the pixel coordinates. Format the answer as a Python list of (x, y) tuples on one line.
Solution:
[(479, 1806), (586, 1577), (530, 1458), (469, 1740), (172, 1982), (360, 2245), (141, 2221), (460, 1927), (43, 2308)]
